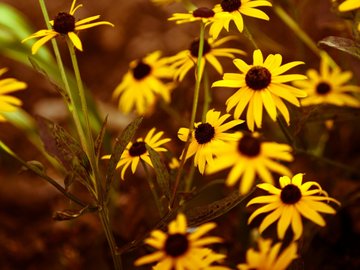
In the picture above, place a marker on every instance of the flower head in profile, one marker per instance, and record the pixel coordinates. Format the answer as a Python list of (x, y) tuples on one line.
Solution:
[(179, 249), (185, 60), (233, 10), (262, 84), (206, 135), (249, 157), (269, 257), (204, 14), (65, 24), (328, 87), (348, 5), (9, 85), (136, 151), (143, 84), (293, 200)]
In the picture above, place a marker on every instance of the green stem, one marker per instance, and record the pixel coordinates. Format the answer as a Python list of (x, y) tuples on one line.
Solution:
[(104, 218), (89, 146), (249, 36), (73, 108), (189, 179), (153, 188), (193, 113), (285, 130), (303, 36), (207, 96)]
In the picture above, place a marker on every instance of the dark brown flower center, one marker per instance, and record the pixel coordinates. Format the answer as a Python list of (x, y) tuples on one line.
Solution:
[(249, 146), (204, 133), (141, 70), (64, 23), (203, 12), (137, 149), (258, 78), (290, 194), (176, 244), (323, 88), (230, 5), (194, 47)]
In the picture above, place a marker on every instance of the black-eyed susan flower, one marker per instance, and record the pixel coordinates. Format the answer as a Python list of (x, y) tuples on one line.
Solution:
[(185, 60), (206, 135), (348, 5), (232, 10), (9, 85), (180, 249), (203, 14), (262, 84), (248, 157), (328, 87), (293, 200), (268, 257), (143, 84), (65, 24), (137, 150)]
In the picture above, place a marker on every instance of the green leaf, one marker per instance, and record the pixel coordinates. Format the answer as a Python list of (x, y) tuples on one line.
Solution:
[(201, 214), (342, 44), (100, 138), (65, 148), (162, 174), (120, 145), (70, 214)]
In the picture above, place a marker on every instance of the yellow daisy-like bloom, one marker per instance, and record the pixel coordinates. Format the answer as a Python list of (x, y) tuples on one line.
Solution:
[(179, 249), (328, 86), (65, 24), (7, 86), (185, 60), (288, 204), (203, 14), (206, 135), (137, 150), (261, 84), (232, 10), (268, 257), (249, 156), (348, 5), (142, 84)]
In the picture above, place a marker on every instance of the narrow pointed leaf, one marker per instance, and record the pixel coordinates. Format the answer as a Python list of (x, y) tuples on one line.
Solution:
[(120, 145), (342, 44), (162, 174)]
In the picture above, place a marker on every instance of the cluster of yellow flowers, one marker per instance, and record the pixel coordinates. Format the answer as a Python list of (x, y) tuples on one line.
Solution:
[(213, 143)]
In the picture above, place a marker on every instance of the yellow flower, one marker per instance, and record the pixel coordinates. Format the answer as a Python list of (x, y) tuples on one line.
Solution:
[(288, 204), (185, 60), (206, 135), (269, 257), (142, 84), (65, 24), (203, 14), (328, 86), (137, 150), (9, 85), (232, 10), (348, 5), (261, 84), (248, 157), (179, 249)]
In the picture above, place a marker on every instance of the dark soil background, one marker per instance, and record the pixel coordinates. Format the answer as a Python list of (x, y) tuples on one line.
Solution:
[(31, 239)]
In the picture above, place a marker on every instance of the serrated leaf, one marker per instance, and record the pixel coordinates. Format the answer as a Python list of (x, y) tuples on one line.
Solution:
[(162, 174), (120, 145), (201, 214), (100, 138), (64, 147), (69, 214), (342, 44)]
